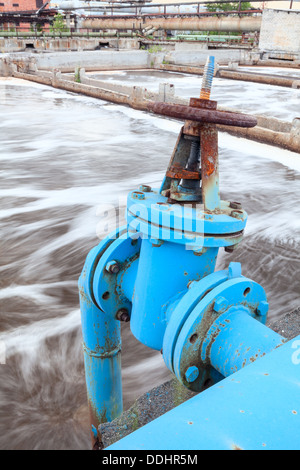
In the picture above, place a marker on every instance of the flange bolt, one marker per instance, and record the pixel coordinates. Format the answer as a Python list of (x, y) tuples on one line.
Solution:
[(138, 195), (123, 315), (235, 205), (262, 308), (112, 267), (192, 374), (220, 305), (145, 188)]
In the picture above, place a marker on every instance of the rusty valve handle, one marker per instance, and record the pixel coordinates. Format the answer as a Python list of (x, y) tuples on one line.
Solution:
[(191, 113)]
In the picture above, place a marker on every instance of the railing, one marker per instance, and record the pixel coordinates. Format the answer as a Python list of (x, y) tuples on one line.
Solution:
[(166, 9), (27, 32)]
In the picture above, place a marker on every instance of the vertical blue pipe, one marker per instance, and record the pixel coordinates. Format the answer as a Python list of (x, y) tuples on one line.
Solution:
[(102, 353)]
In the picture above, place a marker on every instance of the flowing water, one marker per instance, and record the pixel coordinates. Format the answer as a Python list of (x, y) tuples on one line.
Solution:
[(258, 98), (64, 160)]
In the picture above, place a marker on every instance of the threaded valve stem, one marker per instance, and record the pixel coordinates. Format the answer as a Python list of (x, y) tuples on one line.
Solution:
[(207, 79)]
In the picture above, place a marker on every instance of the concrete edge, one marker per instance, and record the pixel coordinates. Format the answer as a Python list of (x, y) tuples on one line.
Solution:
[(269, 130)]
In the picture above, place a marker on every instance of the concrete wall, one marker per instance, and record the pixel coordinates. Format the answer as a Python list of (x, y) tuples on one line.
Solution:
[(280, 31), (199, 57), (93, 60), (41, 44)]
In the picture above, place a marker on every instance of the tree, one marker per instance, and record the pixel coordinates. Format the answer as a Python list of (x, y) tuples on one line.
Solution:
[(58, 25), (228, 6)]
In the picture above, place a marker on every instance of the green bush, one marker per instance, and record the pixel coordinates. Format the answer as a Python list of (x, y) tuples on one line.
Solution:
[(58, 25)]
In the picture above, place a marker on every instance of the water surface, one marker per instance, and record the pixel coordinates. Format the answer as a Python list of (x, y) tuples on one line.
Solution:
[(64, 158)]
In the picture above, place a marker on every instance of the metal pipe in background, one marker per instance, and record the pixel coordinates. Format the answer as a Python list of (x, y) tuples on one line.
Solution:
[(101, 334), (249, 24)]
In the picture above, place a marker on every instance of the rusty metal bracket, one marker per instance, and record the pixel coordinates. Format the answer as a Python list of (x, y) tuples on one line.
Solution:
[(177, 172)]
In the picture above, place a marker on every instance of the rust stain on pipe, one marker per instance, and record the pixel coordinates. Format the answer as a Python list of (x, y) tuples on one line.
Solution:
[(209, 166)]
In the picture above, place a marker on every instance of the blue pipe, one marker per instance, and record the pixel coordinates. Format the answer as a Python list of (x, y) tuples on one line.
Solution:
[(256, 408), (238, 341), (174, 267), (101, 348)]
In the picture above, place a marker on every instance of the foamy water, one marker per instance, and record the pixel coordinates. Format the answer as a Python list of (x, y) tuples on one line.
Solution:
[(282, 103), (64, 159)]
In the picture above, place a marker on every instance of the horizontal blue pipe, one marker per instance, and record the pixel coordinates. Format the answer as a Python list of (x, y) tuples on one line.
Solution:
[(237, 339), (256, 408)]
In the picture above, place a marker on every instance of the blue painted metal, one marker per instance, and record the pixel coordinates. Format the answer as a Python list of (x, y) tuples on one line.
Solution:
[(228, 352), (101, 346), (154, 217), (172, 266), (159, 272), (224, 305), (257, 408)]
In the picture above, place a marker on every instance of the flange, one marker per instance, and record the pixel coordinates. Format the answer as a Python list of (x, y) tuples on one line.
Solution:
[(92, 260), (190, 342), (179, 312), (111, 268), (151, 214)]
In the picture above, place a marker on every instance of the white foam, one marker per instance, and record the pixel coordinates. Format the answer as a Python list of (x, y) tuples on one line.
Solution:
[(276, 154), (285, 157), (27, 339), (32, 291)]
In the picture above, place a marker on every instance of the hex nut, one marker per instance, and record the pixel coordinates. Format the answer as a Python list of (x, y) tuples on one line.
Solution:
[(262, 308), (237, 214), (112, 267), (191, 374), (123, 315), (138, 195), (220, 305), (235, 205), (145, 188), (234, 270)]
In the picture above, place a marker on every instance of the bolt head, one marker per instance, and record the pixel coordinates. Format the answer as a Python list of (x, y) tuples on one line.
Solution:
[(220, 305), (112, 267), (145, 188), (123, 315), (262, 308), (138, 195), (235, 205), (237, 214), (234, 270), (231, 248), (191, 374)]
